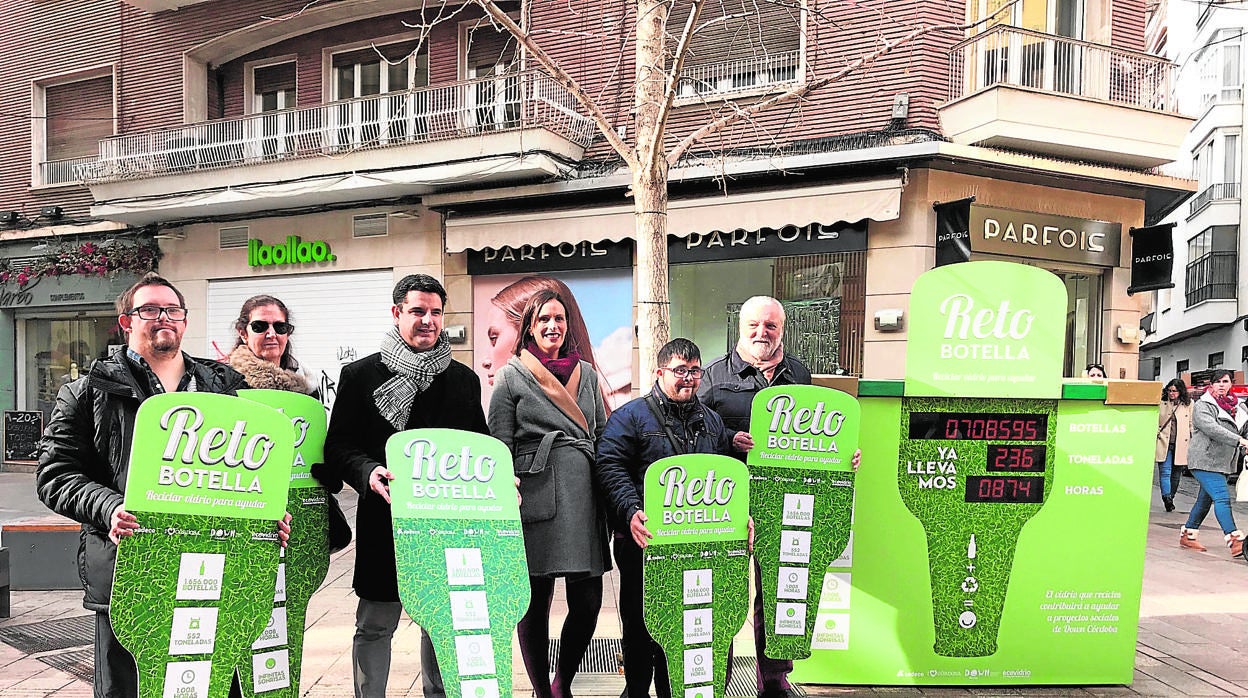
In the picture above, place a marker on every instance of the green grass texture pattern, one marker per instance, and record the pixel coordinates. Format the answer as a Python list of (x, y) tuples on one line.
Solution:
[(663, 582), (307, 563), (968, 603), (420, 553), (145, 590), (833, 493)]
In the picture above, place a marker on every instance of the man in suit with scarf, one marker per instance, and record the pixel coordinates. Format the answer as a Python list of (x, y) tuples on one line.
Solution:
[(411, 383)]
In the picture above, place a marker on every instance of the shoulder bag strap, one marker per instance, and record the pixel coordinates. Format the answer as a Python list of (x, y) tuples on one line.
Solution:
[(658, 414)]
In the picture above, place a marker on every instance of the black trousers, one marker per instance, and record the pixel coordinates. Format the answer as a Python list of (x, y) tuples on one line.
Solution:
[(643, 657)]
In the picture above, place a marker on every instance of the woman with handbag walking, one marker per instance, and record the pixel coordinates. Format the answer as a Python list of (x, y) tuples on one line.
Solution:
[(1174, 431), (1219, 426)]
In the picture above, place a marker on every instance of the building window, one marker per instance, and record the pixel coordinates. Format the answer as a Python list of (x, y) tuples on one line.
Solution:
[(375, 86), (1156, 368), (1219, 70), (1243, 355), (1215, 360), (740, 47), (273, 87), (1180, 367), (491, 60), (72, 116), (1212, 264), (1230, 160)]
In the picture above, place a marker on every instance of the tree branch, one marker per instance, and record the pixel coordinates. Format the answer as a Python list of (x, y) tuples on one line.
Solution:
[(561, 76), (678, 64)]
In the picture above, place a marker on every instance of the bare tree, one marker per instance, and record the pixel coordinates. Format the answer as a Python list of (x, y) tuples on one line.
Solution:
[(656, 82)]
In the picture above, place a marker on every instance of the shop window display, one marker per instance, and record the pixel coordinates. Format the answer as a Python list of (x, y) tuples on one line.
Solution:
[(60, 350)]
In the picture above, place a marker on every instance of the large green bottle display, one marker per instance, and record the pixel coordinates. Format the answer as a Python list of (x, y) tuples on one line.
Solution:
[(982, 476), (459, 552), (305, 559), (801, 499), (193, 587), (696, 570)]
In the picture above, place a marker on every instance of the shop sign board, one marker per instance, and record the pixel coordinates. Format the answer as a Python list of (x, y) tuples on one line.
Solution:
[(66, 290), (801, 500), (194, 586), (545, 257), (22, 431), (815, 238), (459, 551), (696, 569), (1044, 236), (292, 250), (988, 491), (305, 560)]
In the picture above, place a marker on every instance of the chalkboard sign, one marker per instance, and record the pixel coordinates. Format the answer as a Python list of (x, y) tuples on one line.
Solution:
[(21, 435)]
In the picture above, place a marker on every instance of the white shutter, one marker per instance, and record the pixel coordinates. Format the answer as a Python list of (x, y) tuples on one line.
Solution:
[(338, 317)]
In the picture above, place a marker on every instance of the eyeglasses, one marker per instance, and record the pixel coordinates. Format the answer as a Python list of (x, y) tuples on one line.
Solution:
[(153, 312), (262, 326), (685, 372)]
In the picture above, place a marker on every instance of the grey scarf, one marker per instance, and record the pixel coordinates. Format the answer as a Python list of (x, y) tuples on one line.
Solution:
[(414, 373)]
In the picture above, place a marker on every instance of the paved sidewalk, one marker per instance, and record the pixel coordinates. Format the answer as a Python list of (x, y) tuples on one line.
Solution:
[(1193, 637)]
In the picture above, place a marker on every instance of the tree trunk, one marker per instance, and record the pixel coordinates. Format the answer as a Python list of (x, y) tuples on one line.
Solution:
[(650, 188)]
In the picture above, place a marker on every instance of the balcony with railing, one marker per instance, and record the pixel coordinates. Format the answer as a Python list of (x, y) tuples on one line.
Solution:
[(736, 77), (1223, 191), (503, 128), (63, 171), (1049, 94), (1212, 277)]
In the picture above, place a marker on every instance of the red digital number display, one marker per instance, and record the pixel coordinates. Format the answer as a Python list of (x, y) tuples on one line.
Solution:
[(1004, 458), (1005, 489), (974, 426)]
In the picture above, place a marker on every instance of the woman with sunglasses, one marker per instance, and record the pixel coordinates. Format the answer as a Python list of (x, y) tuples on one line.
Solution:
[(547, 407), (262, 353), (1174, 430)]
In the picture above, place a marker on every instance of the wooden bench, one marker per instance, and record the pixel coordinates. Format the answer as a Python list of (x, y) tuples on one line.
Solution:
[(42, 553)]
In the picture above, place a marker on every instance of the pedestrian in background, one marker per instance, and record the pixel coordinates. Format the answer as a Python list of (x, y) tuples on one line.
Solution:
[(1174, 431), (1219, 425), (547, 408)]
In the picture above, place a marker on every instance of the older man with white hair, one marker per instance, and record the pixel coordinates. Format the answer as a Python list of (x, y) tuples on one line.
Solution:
[(728, 387)]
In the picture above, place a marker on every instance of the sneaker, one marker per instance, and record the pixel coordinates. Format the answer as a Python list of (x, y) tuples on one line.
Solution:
[(1168, 501), (1235, 542), (1187, 539)]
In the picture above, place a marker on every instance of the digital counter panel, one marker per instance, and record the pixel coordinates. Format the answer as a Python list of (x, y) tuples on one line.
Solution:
[(973, 471), (978, 426)]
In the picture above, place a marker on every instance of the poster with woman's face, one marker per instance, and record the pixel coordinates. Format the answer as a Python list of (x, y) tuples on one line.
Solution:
[(604, 299)]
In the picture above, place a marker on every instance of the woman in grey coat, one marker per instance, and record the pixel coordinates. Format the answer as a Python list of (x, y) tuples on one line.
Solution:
[(548, 409), (1219, 425)]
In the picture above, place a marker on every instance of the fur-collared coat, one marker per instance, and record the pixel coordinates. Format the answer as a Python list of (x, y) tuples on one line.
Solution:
[(264, 375), (551, 431)]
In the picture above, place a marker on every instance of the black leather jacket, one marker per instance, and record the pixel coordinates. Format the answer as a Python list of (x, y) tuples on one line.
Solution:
[(84, 456)]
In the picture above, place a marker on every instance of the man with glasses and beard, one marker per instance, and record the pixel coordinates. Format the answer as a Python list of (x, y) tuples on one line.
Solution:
[(84, 457), (669, 421), (412, 383)]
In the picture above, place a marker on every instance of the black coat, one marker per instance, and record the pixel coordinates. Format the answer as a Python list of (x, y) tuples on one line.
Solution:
[(634, 438), (730, 384), (356, 444), (84, 457)]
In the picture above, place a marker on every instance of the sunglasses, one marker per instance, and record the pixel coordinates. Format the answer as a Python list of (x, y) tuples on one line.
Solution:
[(262, 326)]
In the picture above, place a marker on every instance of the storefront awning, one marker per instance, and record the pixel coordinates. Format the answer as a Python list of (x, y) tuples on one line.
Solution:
[(876, 199)]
